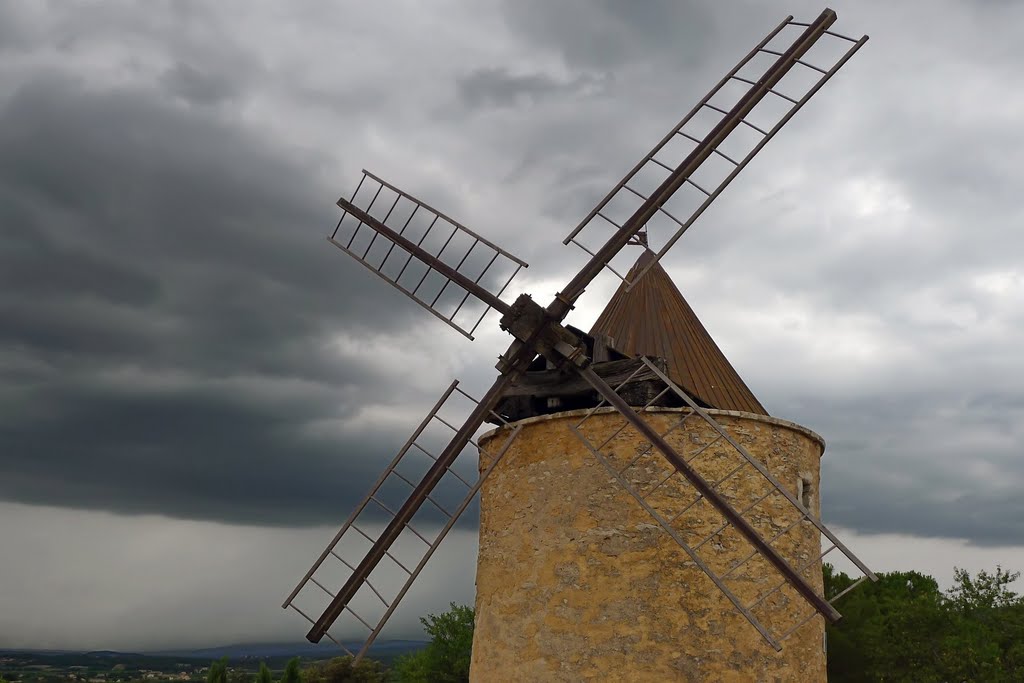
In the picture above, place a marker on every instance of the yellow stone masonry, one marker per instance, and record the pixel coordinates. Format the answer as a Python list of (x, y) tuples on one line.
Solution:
[(577, 582)]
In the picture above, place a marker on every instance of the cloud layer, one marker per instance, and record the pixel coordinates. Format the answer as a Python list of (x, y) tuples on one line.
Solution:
[(176, 338)]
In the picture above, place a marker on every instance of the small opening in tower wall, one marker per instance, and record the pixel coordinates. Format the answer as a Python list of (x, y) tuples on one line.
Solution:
[(804, 490)]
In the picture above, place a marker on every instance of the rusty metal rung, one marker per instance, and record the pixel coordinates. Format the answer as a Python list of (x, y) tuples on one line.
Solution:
[(811, 66), (433, 458), (691, 182), (429, 498), (446, 423), (699, 498), (418, 243), (607, 265), (425, 452), (668, 431), (609, 220), (802, 568), (459, 477), (849, 588), (731, 472), (773, 91), (345, 213), (711, 535), (702, 449), (656, 398), (498, 417), (718, 109), (662, 164), (638, 194), (590, 413), (341, 559), (338, 643), (689, 137), (764, 597), (321, 586), (405, 225), (375, 234), (613, 435), (364, 534), (677, 425), (658, 485), (370, 206), (361, 620), (326, 633), (840, 35), (792, 630), (760, 130), (420, 536), (634, 460)]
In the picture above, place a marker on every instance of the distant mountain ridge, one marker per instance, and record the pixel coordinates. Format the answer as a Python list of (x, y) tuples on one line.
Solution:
[(243, 650), (320, 650)]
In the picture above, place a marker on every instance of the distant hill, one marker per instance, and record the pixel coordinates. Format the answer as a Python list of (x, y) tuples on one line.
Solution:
[(308, 650), (382, 648)]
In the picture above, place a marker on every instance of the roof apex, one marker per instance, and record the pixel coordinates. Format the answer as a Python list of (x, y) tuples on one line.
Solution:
[(653, 319)]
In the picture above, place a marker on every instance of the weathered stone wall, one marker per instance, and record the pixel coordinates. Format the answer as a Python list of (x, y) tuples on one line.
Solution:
[(577, 582)]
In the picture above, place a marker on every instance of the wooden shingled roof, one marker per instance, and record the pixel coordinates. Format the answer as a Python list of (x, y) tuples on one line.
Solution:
[(653, 319)]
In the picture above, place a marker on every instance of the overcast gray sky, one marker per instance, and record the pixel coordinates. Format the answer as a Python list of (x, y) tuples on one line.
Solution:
[(194, 386)]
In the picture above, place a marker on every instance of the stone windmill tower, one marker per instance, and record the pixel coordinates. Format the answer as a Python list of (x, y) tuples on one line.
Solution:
[(571, 588), (642, 517)]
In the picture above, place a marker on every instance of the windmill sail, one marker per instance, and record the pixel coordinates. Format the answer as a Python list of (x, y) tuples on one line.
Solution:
[(690, 167), (734, 502), (436, 261), (458, 276), (341, 581)]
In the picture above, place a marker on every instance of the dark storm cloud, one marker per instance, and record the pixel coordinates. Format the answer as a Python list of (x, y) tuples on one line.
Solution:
[(171, 242), (197, 86), (170, 310), (611, 35), (934, 464), (498, 87)]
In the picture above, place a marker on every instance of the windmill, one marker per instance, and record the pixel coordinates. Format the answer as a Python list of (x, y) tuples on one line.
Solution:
[(458, 276)]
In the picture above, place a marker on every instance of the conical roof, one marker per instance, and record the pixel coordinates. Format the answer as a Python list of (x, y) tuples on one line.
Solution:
[(653, 319)]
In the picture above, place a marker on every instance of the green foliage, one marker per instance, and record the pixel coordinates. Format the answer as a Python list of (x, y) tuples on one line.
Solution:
[(292, 672), (264, 675), (904, 629), (218, 672), (341, 670), (446, 658)]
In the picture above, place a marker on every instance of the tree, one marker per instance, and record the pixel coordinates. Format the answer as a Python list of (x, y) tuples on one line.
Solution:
[(341, 670), (446, 658), (292, 672), (904, 628), (264, 675), (218, 672)]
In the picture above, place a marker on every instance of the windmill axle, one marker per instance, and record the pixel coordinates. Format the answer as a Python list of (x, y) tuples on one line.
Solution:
[(532, 325)]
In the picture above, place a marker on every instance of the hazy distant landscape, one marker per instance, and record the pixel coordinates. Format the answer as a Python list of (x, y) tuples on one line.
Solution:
[(174, 665)]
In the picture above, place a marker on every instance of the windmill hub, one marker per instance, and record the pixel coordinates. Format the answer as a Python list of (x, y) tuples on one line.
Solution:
[(531, 324)]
